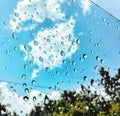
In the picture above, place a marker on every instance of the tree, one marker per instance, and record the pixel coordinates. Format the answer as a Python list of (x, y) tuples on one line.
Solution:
[(111, 84), (84, 103)]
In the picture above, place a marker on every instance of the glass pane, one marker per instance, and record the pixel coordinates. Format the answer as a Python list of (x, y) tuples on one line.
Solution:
[(58, 57)]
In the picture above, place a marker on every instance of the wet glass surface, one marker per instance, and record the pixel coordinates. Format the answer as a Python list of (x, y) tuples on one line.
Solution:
[(51, 48)]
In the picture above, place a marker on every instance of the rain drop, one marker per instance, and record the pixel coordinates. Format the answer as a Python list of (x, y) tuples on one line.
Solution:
[(41, 59), (33, 82), (97, 45), (35, 43), (48, 40), (25, 98), (85, 78), (74, 70), (69, 37), (46, 99), (50, 88), (23, 76), (14, 36), (66, 74), (81, 60), (26, 90), (84, 56), (24, 84), (73, 63), (15, 48), (73, 42), (92, 81), (101, 61), (62, 53), (17, 14), (47, 69), (28, 48), (57, 73), (78, 41), (8, 52), (34, 98), (64, 61), (25, 66), (62, 43), (97, 58)]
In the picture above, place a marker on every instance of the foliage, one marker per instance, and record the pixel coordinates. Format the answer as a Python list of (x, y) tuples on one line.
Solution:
[(84, 103), (87, 103)]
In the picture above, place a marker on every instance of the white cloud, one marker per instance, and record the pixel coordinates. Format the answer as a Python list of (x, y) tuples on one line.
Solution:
[(35, 10), (36, 97), (54, 95), (51, 46), (17, 103), (85, 4)]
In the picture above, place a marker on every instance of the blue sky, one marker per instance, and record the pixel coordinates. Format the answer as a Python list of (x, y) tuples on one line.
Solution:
[(56, 45), (93, 25)]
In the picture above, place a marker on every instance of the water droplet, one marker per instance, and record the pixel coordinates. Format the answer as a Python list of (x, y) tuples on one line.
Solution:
[(28, 48), (69, 37), (74, 70), (47, 69), (101, 61), (14, 36), (64, 61), (40, 95), (17, 14), (48, 40), (26, 66), (90, 32), (35, 43), (23, 76), (84, 56), (66, 74), (57, 73), (97, 45), (104, 19), (81, 60), (97, 58), (78, 41), (34, 98), (92, 82), (50, 88), (62, 53), (85, 78), (62, 43), (73, 42), (33, 82), (118, 27), (8, 52), (4, 23), (95, 68), (14, 20), (26, 90), (41, 59), (109, 24), (25, 98), (24, 85), (73, 63), (15, 48)]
